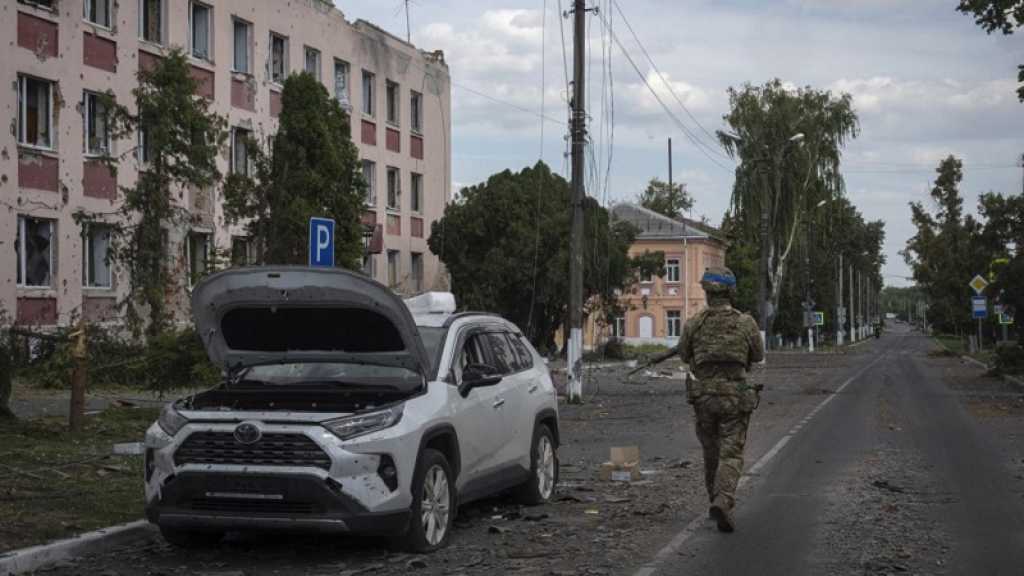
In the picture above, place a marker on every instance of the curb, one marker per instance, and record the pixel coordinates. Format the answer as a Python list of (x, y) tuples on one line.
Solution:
[(30, 559), (1011, 379)]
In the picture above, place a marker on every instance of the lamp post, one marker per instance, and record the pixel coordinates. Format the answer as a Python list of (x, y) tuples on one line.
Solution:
[(775, 160), (808, 279)]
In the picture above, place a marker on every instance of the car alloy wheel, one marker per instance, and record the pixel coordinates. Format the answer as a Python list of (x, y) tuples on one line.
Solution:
[(545, 467), (435, 505)]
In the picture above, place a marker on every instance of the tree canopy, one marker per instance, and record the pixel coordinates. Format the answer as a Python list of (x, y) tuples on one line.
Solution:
[(504, 242), (1004, 16), (668, 201), (312, 170)]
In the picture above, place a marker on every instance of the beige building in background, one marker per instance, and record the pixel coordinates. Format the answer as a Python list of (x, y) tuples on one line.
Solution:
[(60, 53), (657, 308)]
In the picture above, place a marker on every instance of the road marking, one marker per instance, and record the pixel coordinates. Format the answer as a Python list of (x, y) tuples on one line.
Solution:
[(679, 539)]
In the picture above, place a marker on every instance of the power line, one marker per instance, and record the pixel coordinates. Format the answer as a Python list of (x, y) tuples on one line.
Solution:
[(664, 81), (509, 104)]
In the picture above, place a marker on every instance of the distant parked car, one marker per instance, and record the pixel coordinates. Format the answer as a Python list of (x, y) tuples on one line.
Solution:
[(346, 409)]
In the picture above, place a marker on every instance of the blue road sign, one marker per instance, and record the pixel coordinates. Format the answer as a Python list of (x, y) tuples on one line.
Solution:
[(979, 307), (321, 242), (819, 318)]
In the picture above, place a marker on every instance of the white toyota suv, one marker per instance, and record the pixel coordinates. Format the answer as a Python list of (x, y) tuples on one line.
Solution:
[(346, 409)]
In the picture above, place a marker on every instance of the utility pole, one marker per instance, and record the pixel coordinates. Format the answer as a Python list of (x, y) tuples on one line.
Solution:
[(839, 308), (579, 131), (853, 319), (408, 30)]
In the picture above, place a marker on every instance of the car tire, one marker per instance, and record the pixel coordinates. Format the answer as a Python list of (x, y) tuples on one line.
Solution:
[(191, 538), (433, 504), (543, 468)]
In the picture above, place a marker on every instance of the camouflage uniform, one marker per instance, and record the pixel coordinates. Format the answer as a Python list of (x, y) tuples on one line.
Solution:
[(719, 344)]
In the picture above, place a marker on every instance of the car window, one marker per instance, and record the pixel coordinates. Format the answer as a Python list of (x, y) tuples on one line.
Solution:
[(471, 353), (522, 351), (504, 359)]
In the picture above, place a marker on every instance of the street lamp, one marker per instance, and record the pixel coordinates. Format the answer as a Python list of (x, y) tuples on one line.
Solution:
[(808, 280), (775, 160)]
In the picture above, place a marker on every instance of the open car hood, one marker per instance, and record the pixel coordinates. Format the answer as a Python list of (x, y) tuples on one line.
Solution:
[(265, 315)]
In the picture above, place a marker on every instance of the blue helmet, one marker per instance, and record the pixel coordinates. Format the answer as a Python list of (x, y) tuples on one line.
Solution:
[(718, 280)]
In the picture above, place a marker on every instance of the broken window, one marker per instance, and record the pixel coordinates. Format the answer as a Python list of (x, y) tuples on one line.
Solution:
[(242, 46), (151, 20), (98, 12), (313, 62), (341, 83), (278, 58), (416, 271), (394, 189), (34, 248), (370, 175), (368, 93), (416, 192), (391, 96), (96, 256), (240, 151), (97, 129), (416, 111), (393, 268), (35, 112), (199, 19)]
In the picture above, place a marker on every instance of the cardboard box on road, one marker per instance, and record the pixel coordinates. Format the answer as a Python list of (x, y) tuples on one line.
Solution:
[(624, 465)]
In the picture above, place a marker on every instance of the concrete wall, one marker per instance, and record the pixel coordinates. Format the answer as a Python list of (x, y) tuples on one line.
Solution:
[(59, 45)]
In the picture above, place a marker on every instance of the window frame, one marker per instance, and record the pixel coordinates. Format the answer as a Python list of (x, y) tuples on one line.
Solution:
[(371, 183), (619, 327), (306, 52), (416, 192), (22, 256), (161, 24), (416, 111), (247, 256), (88, 282), (397, 180), (346, 99), (368, 89), (192, 5), (416, 276), (397, 255), (233, 145), (22, 117), (86, 16), (670, 321), (392, 106), (284, 58), (669, 268), (369, 265), (90, 97), (522, 351), (190, 272), (235, 22)]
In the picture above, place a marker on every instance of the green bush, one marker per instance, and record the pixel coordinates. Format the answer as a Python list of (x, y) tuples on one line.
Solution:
[(1009, 359)]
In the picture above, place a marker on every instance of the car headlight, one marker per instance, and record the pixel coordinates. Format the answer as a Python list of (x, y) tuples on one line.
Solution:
[(171, 420), (360, 424)]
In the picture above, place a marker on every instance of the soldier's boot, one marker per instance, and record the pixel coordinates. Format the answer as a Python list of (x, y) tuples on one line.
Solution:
[(719, 512)]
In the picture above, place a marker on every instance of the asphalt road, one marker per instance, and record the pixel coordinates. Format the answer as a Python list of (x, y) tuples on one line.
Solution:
[(894, 475)]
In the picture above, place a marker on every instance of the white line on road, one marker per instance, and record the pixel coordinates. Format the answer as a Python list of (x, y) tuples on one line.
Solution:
[(679, 539)]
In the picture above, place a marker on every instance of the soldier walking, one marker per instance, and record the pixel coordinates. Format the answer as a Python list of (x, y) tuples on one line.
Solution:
[(719, 345)]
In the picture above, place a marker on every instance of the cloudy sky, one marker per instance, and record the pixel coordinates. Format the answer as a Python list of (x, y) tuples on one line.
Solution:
[(927, 82)]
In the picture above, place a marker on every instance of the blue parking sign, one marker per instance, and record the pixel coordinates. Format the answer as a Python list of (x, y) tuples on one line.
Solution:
[(321, 242)]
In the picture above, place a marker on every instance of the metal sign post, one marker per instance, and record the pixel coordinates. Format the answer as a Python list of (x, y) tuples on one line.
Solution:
[(979, 310)]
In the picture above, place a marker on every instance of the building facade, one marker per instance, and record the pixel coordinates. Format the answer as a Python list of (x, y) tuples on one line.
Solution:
[(62, 53), (656, 308)]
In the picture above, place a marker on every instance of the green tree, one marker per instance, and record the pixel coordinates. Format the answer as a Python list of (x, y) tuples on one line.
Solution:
[(504, 244), (1002, 238), (312, 170), (182, 139), (789, 143), (1004, 16), (672, 202)]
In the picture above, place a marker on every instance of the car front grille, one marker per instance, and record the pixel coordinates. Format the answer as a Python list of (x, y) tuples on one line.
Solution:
[(253, 506), (278, 449)]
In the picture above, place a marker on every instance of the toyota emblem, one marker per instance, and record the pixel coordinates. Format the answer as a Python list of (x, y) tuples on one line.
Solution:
[(247, 433)]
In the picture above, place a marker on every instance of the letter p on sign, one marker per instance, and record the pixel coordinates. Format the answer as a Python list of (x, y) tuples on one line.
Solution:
[(321, 242)]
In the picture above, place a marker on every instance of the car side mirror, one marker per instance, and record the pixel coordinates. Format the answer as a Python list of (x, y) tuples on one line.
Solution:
[(478, 376)]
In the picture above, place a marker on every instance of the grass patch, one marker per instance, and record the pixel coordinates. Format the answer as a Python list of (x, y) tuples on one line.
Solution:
[(54, 484), (954, 346)]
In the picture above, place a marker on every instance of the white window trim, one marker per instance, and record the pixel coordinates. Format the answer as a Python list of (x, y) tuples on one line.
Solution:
[(248, 45), (372, 101), (86, 254), (23, 257), (306, 50), (398, 190), (233, 144), (163, 24), (110, 16), (678, 268), (209, 32), (371, 185), (23, 114), (395, 103), (270, 59), (86, 94), (415, 194), (669, 323), (346, 101)]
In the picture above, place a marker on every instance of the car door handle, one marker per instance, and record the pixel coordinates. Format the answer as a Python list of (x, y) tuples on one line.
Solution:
[(532, 389), (499, 403)]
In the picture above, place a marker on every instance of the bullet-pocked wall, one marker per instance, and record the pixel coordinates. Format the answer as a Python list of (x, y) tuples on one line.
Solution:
[(60, 52)]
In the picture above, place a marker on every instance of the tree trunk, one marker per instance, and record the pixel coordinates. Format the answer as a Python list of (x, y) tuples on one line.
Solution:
[(6, 381), (79, 377)]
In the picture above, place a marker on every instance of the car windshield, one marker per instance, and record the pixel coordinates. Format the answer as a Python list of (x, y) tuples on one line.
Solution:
[(334, 373), (433, 340)]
